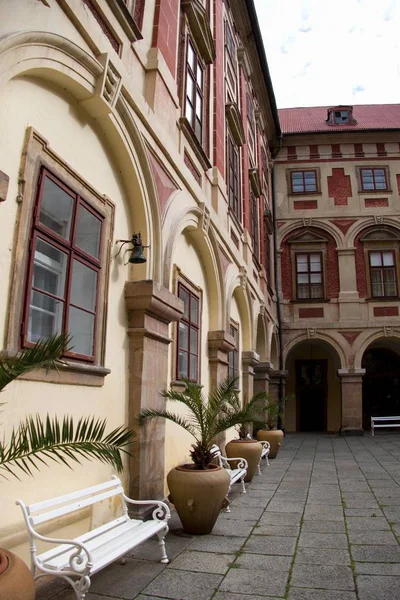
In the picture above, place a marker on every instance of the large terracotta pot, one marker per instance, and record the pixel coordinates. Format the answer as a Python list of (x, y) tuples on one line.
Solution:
[(16, 580), (274, 437), (198, 495), (248, 449)]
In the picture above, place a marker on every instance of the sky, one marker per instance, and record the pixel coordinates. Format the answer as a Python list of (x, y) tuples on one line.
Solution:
[(330, 52)]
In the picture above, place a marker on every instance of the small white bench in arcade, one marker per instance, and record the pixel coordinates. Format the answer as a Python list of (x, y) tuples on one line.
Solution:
[(384, 422), (266, 447), (76, 560), (237, 474)]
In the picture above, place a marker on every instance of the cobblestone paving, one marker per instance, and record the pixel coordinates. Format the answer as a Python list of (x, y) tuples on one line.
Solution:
[(322, 522)]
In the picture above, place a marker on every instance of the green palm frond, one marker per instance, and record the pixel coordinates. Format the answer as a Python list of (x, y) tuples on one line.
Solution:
[(149, 413), (35, 442), (45, 353)]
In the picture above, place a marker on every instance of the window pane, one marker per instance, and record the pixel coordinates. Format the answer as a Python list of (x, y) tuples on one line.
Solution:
[(388, 259), (193, 367), (194, 313), (190, 88), (315, 278), (200, 78), (49, 269), (182, 364), (56, 209), (302, 278), (184, 295), (302, 263), (315, 262), (189, 113), (302, 291), (375, 259), (88, 230), (83, 286), (45, 316), (199, 106), (81, 328), (183, 336), (197, 129), (298, 187), (190, 57), (297, 175), (194, 339), (316, 291)]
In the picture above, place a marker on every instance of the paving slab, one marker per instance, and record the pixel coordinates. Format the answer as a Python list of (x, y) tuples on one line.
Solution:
[(233, 527), (323, 527), (218, 543), (377, 587), (323, 556), (323, 540), (282, 530), (366, 568), (125, 581), (262, 561), (231, 596), (376, 553), (241, 581), (266, 544), (323, 513), (183, 585), (336, 577), (377, 538), (203, 562), (304, 594), (367, 524), (277, 518)]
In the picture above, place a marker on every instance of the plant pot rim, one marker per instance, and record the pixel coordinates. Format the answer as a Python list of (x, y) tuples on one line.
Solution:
[(244, 441), (4, 562), (191, 468)]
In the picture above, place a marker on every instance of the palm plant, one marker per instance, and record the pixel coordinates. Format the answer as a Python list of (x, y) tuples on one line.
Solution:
[(252, 412), (206, 418), (35, 441)]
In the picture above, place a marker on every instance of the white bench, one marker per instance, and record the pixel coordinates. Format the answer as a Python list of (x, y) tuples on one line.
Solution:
[(236, 474), (78, 559), (384, 422), (266, 447)]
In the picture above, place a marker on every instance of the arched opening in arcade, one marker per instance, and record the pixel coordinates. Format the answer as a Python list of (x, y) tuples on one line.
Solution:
[(313, 387), (381, 382)]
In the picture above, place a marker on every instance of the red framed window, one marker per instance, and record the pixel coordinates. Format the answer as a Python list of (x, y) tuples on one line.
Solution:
[(188, 342), (233, 355), (309, 276), (254, 225), (373, 179), (194, 91), (302, 182), (64, 268), (233, 177), (382, 265), (341, 116)]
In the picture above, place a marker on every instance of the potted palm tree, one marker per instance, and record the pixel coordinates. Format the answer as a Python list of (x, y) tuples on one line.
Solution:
[(245, 446), (198, 489), (268, 422), (34, 441)]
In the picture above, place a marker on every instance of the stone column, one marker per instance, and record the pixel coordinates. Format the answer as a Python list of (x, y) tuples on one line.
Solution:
[(261, 377), (249, 360), (219, 344), (351, 382), (275, 377), (151, 308), (348, 295)]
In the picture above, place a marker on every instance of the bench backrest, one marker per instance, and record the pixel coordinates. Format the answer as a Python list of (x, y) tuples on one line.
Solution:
[(385, 419), (47, 510)]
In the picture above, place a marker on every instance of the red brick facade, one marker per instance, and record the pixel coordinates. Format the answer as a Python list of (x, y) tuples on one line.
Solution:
[(165, 30), (339, 187)]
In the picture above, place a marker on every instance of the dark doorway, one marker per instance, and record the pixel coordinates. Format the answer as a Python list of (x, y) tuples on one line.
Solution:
[(381, 384), (311, 394)]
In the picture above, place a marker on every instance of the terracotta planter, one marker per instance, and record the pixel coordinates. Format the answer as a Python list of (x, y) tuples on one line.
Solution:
[(248, 449), (16, 580), (198, 495), (274, 437)]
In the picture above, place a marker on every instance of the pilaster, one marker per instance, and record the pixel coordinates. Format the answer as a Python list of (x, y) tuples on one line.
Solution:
[(351, 383)]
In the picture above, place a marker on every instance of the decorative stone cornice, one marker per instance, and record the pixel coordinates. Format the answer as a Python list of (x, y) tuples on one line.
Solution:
[(200, 28), (255, 182), (235, 123), (147, 297), (243, 60)]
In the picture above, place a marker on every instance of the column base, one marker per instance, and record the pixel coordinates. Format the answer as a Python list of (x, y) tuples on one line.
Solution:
[(351, 431)]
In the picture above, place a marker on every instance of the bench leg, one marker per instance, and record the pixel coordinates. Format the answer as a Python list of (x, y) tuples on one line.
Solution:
[(161, 542), (243, 486), (259, 467)]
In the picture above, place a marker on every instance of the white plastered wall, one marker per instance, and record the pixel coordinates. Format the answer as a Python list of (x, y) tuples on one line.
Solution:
[(73, 136)]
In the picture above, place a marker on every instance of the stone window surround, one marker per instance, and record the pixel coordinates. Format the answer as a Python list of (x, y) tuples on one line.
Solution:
[(388, 189), (180, 277), (37, 154), (297, 169), (383, 244), (298, 246), (233, 355)]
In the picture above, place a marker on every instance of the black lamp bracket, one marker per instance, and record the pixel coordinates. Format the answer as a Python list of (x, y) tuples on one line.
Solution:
[(136, 241)]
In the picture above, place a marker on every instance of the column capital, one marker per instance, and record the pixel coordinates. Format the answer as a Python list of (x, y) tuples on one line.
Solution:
[(147, 297), (351, 375), (250, 359), (220, 340)]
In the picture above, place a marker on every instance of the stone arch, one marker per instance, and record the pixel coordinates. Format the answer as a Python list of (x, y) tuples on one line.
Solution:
[(368, 338), (326, 226), (366, 223), (189, 221), (51, 57), (262, 338), (274, 348), (317, 335), (236, 287)]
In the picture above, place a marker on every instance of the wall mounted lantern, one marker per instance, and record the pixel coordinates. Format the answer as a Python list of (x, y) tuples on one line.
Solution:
[(137, 257)]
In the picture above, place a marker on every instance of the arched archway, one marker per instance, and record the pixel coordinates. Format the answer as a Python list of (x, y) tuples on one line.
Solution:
[(381, 382), (313, 387)]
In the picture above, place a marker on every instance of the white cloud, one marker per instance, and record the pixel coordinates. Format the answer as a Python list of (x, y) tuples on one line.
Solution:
[(323, 53)]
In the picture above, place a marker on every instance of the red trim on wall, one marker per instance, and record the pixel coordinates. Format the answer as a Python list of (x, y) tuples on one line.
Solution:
[(314, 151), (350, 336), (398, 183), (311, 313), (339, 187), (343, 224), (292, 152), (219, 94), (358, 150), (376, 202), (336, 153), (103, 24), (165, 31), (343, 159), (245, 155), (305, 204), (380, 149), (361, 276), (386, 311), (188, 162)]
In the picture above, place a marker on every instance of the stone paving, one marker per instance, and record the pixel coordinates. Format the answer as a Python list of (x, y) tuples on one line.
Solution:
[(322, 522)]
